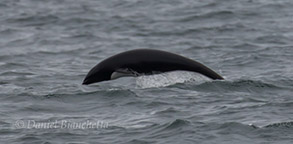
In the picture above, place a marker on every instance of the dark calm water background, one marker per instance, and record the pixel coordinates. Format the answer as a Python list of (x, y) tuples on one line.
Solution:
[(48, 46)]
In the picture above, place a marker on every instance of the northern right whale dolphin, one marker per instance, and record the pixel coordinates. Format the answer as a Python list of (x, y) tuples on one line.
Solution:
[(144, 62)]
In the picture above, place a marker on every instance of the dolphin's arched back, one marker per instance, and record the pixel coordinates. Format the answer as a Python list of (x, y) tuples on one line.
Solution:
[(146, 62)]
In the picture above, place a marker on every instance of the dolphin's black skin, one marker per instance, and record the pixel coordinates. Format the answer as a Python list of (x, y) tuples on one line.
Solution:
[(145, 61)]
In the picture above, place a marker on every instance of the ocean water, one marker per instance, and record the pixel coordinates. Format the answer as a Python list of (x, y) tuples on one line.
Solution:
[(47, 47)]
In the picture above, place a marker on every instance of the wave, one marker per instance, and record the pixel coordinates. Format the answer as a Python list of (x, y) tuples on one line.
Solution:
[(241, 85), (194, 30), (288, 124), (209, 15), (34, 20), (169, 78)]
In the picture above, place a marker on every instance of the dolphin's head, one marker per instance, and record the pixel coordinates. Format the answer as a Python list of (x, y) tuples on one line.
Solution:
[(97, 74)]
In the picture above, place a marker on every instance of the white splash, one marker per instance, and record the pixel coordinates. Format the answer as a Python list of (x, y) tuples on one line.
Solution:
[(169, 78)]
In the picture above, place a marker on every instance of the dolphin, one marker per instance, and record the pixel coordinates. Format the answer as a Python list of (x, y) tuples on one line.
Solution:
[(144, 62)]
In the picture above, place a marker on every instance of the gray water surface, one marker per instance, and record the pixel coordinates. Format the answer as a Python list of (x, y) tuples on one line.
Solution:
[(47, 47)]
